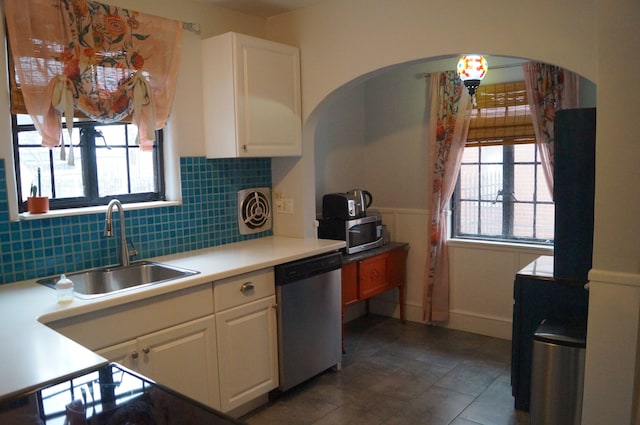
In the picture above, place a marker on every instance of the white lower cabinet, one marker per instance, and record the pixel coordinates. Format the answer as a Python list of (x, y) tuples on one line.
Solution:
[(247, 352), (215, 343), (245, 308), (125, 353), (182, 357)]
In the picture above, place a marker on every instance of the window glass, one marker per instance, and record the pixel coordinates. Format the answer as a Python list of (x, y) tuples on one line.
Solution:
[(502, 194), (468, 213), (31, 159), (523, 216), (108, 164), (524, 182), (545, 221), (491, 218), (140, 165), (542, 189), (69, 182), (112, 171), (490, 181)]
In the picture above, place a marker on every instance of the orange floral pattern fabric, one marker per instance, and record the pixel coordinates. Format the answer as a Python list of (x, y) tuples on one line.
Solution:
[(549, 88), (448, 128), (103, 51)]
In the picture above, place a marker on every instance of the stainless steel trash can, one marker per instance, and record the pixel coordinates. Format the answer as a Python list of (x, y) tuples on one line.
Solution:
[(557, 372)]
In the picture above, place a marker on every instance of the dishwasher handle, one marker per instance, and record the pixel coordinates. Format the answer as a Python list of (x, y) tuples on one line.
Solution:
[(307, 267)]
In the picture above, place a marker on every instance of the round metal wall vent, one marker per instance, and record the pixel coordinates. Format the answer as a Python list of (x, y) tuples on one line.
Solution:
[(254, 210)]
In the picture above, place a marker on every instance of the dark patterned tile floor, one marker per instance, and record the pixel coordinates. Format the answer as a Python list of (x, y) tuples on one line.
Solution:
[(397, 373)]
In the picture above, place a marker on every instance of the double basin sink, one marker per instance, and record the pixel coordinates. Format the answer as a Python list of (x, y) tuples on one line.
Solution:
[(109, 280)]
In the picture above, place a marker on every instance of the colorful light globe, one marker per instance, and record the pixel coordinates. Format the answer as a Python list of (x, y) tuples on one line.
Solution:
[(472, 67)]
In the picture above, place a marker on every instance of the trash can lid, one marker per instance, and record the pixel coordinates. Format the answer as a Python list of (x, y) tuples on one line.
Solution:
[(568, 332)]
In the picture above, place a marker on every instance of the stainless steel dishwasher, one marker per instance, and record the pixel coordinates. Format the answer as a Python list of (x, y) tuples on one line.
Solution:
[(308, 294)]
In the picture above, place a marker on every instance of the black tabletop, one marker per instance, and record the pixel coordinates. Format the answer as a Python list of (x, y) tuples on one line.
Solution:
[(110, 395), (347, 258)]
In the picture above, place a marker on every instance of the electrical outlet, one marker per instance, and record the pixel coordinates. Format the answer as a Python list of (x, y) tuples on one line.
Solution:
[(288, 205), (284, 205)]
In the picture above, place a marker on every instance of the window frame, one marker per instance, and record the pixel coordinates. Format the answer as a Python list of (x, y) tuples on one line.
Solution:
[(89, 168), (508, 182)]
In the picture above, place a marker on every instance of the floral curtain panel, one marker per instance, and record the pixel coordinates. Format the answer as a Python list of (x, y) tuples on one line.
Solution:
[(105, 61), (448, 128), (549, 88)]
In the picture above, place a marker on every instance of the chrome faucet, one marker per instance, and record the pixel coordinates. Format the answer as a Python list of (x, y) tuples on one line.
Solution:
[(125, 253)]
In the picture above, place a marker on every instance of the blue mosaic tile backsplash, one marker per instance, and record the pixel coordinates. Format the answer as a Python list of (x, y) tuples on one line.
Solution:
[(206, 218)]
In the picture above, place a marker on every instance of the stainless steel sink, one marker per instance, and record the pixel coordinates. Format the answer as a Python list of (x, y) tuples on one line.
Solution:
[(109, 280)]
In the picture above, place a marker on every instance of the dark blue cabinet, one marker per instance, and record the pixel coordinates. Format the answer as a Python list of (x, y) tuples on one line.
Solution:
[(553, 287), (573, 192), (537, 296)]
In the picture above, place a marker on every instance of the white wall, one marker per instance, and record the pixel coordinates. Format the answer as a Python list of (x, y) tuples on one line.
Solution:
[(396, 115), (339, 145), (342, 40), (482, 277)]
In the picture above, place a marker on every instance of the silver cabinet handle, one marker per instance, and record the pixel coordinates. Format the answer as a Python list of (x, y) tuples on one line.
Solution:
[(246, 287), (134, 354)]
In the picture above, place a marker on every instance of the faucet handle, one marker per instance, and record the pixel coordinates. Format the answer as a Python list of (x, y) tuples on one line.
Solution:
[(132, 251)]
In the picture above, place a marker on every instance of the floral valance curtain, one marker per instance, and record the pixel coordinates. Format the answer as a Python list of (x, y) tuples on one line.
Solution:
[(549, 88), (105, 61), (448, 128)]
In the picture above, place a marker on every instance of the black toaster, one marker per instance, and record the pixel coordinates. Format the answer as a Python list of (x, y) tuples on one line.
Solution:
[(339, 206)]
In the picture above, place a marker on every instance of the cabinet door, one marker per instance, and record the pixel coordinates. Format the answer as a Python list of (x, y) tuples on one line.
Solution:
[(251, 90), (126, 354), (373, 274), (268, 98), (247, 352), (184, 358)]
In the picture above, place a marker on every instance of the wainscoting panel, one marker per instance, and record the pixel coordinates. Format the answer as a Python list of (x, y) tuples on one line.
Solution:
[(482, 274)]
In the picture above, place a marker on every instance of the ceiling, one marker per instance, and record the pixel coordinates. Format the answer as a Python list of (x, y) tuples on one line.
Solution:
[(263, 8)]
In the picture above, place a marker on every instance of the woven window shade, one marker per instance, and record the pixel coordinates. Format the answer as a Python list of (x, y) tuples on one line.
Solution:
[(501, 116), (17, 101)]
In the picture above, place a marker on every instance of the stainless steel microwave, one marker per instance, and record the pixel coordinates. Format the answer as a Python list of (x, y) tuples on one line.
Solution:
[(359, 234)]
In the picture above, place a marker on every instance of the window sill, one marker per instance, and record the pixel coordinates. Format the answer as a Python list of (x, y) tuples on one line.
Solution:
[(501, 246), (94, 210)]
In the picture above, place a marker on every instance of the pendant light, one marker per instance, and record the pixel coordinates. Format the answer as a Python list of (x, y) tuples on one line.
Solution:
[(471, 70)]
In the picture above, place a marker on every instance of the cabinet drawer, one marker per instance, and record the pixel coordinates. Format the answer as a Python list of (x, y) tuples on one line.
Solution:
[(113, 325), (237, 290), (373, 276)]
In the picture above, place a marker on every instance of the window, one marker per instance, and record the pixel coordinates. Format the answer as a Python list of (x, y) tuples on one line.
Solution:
[(108, 164), (114, 62), (501, 193)]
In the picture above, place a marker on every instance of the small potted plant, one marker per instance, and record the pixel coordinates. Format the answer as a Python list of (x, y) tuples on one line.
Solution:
[(36, 203)]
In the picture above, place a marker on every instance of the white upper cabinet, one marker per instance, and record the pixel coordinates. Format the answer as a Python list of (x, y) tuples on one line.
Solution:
[(251, 97)]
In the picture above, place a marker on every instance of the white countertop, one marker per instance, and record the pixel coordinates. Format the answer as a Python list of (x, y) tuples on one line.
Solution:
[(32, 354), (541, 268)]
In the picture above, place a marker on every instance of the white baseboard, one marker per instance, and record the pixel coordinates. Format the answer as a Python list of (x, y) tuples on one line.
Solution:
[(383, 307), (496, 327), (458, 320)]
